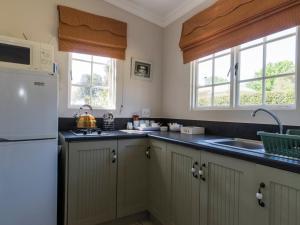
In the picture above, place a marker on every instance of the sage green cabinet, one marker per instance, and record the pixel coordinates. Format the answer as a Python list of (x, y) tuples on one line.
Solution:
[(158, 180), (184, 185), (92, 177), (227, 193), (132, 176), (281, 197), (104, 180)]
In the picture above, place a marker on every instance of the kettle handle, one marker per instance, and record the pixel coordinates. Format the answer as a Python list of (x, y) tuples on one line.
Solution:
[(81, 108), (87, 106)]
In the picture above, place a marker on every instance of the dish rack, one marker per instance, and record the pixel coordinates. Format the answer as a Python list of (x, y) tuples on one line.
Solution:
[(282, 144), (108, 122), (293, 132)]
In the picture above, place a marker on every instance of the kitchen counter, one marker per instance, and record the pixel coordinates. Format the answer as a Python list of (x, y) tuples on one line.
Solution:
[(197, 142), (105, 135)]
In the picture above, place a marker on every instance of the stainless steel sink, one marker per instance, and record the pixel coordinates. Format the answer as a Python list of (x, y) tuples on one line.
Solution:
[(242, 144)]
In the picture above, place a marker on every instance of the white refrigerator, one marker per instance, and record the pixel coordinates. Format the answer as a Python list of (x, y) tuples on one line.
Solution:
[(28, 148)]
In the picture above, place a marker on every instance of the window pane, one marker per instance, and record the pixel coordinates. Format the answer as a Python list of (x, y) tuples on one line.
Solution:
[(223, 52), (100, 97), (81, 56), (222, 95), (100, 75), (80, 95), (282, 33), (280, 91), (102, 60), (204, 96), (251, 63), (281, 56), (81, 72), (222, 67), (204, 73), (251, 43), (251, 93)]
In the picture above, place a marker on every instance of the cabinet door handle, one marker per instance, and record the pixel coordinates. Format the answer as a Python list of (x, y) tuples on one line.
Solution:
[(194, 170), (147, 153), (201, 172), (114, 156), (260, 196)]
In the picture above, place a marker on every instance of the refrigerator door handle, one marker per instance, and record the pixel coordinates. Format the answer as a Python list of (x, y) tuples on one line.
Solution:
[(3, 140)]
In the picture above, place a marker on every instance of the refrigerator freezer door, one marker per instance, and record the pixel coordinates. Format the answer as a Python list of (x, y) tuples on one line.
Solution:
[(28, 183), (28, 105)]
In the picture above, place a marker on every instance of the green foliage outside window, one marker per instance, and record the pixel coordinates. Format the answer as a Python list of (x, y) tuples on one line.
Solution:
[(278, 90)]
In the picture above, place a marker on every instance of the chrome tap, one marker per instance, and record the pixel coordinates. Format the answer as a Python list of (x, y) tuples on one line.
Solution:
[(272, 115)]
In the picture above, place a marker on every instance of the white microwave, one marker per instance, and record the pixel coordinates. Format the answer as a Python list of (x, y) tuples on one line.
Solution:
[(26, 55)]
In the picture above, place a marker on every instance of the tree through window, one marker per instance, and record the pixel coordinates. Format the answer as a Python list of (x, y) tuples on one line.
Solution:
[(258, 73), (92, 81)]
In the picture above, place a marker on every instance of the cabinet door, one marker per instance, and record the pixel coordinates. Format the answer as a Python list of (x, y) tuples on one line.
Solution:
[(158, 180), (183, 173), (227, 191), (281, 197), (92, 182), (132, 176)]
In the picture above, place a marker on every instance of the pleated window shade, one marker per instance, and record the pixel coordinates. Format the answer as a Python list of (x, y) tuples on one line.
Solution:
[(87, 33), (229, 23)]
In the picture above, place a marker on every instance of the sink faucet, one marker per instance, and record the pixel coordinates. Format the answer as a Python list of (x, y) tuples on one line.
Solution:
[(272, 115)]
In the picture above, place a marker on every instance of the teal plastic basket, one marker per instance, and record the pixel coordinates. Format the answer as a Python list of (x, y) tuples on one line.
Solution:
[(281, 144), (293, 132)]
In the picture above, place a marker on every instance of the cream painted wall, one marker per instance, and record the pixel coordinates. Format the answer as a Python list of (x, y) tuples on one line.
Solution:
[(38, 19), (176, 86), (168, 95)]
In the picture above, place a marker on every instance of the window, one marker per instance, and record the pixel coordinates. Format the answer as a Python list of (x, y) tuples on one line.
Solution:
[(258, 73), (213, 80), (92, 81)]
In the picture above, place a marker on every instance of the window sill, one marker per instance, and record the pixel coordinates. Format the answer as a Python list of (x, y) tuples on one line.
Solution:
[(76, 107), (246, 108)]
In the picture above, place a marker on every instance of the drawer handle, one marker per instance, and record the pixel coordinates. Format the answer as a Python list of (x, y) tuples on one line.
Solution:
[(201, 172), (114, 156), (260, 196), (147, 153), (194, 170)]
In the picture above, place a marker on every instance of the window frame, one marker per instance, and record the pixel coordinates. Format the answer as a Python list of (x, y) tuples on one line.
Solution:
[(235, 79), (195, 87), (113, 88)]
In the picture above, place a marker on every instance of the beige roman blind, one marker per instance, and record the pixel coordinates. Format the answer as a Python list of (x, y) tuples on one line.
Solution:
[(87, 33), (229, 23)]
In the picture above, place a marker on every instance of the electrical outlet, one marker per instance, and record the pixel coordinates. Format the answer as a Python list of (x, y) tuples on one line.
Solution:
[(146, 113)]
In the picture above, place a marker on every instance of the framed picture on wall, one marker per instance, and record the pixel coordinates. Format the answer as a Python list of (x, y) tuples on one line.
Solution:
[(141, 69)]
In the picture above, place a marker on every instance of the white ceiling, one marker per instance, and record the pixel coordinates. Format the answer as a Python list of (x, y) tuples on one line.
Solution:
[(160, 12)]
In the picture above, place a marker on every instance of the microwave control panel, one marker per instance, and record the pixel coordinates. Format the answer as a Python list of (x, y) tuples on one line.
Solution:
[(46, 58)]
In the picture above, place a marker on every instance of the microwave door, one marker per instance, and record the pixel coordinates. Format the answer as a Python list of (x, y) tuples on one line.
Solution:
[(10, 53)]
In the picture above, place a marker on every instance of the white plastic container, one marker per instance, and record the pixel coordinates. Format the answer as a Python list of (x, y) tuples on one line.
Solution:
[(192, 130), (175, 127)]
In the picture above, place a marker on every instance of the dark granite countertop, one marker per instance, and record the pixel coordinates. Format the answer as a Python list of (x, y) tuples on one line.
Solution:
[(197, 142), (105, 135)]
